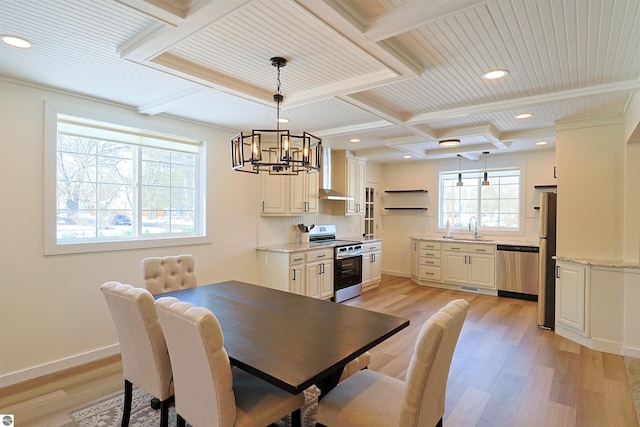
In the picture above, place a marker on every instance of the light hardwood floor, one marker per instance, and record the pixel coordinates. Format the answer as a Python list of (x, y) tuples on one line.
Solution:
[(505, 371)]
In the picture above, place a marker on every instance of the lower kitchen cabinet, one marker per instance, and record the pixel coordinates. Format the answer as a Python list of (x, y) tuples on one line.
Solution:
[(319, 273), (454, 265), (371, 264), (470, 264), (429, 261), (571, 283), (307, 273), (297, 274)]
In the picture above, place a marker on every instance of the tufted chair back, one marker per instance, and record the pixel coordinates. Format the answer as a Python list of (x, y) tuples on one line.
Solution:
[(167, 274)]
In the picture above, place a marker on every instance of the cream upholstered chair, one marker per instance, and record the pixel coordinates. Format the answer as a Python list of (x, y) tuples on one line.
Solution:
[(371, 399), (359, 363), (167, 274), (145, 358), (208, 391)]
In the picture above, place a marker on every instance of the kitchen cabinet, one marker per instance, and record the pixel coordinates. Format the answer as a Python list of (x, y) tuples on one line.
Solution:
[(304, 193), (429, 261), (319, 273), (571, 291), (307, 273), (289, 194), (371, 264), (273, 194), (349, 177), (297, 274), (468, 263)]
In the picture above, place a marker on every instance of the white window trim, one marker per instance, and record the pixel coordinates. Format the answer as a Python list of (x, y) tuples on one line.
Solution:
[(51, 246), (521, 231)]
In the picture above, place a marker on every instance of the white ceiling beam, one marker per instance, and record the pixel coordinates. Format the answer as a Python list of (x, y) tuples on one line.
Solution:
[(381, 111), (173, 101), (512, 104), (359, 128), (412, 15), (159, 37), (546, 132), (344, 21)]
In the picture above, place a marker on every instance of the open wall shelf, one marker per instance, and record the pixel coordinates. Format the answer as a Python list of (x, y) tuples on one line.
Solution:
[(406, 209), (406, 191)]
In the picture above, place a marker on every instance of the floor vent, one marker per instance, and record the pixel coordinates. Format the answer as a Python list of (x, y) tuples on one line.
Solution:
[(469, 289)]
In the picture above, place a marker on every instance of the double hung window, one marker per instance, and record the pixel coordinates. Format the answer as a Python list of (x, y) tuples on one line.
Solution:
[(496, 206)]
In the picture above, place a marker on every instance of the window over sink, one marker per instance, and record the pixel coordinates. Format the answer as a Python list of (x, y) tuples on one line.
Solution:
[(496, 207)]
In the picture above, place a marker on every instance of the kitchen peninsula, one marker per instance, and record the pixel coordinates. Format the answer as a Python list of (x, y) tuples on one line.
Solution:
[(321, 269)]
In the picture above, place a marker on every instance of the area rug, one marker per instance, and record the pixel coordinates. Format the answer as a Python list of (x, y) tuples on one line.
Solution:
[(633, 372), (107, 412)]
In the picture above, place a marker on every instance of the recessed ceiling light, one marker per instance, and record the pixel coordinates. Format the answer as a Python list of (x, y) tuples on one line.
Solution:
[(494, 74), (406, 156), (541, 143), (283, 120), (354, 140), (448, 143), (524, 116), (16, 42)]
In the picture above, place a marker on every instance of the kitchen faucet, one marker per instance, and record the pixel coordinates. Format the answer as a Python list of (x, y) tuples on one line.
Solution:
[(475, 228)]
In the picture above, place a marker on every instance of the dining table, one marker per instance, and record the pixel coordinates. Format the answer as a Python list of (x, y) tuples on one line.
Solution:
[(289, 340)]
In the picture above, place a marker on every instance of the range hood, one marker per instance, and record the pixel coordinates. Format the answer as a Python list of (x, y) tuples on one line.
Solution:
[(326, 190)]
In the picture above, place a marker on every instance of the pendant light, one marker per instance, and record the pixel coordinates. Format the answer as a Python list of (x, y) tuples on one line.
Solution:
[(459, 183), (485, 179), (276, 151)]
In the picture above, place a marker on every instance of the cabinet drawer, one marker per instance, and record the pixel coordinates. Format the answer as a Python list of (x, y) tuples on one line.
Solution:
[(296, 258), (431, 262), (430, 245), (429, 273), (482, 249), (371, 247), (428, 253), (455, 247), (320, 255)]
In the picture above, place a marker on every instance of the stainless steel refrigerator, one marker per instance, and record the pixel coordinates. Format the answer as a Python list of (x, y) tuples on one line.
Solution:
[(547, 265)]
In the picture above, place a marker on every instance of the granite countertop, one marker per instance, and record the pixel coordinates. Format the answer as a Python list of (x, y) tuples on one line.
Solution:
[(301, 247), (481, 240), (598, 262)]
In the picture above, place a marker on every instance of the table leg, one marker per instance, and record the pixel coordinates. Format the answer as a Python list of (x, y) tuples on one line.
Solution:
[(328, 383)]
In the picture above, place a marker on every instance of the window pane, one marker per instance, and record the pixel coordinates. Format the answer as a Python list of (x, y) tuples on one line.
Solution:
[(495, 206), (96, 196)]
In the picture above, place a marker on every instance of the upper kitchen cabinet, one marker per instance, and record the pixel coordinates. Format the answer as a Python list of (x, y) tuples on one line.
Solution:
[(304, 193), (289, 194), (350, 177)]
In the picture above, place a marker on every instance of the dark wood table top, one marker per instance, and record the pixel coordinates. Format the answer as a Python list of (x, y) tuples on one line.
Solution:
[(289, 340)]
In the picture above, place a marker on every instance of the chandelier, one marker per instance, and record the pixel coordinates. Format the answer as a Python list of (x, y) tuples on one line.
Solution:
[(276, 151)]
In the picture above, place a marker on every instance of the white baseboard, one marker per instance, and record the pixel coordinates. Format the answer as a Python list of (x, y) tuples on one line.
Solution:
[(631, 351), (396, 273), (58, 365)]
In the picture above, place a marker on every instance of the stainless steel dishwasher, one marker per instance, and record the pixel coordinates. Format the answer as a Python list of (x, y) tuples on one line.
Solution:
[(517, 271)]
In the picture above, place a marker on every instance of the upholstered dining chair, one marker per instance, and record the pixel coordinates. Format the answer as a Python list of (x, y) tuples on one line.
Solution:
[(359, 363), (167, 274), (371, 399), (209, 393), (145, 358)]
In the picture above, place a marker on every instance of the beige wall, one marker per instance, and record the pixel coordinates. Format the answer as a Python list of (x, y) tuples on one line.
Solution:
[(52, 314), (591, 162)]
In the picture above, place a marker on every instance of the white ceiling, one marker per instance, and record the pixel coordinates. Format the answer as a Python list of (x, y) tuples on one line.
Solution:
[(397, 74)]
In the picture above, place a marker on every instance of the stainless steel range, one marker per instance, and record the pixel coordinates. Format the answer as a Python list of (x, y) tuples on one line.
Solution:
[(347, 261)]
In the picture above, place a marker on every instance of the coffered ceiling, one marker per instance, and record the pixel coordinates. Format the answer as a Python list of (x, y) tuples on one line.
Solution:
[(399, 75)]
